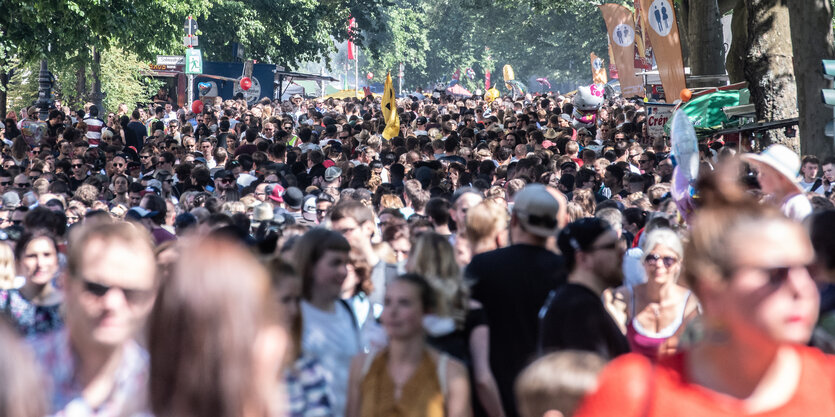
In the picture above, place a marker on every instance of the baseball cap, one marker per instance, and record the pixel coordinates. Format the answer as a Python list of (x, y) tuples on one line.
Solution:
[(224, 174), (536, 210), (293, 197), (332, 173), (309, 208), (140, 213), (421, 120), (11, 200), (277, 194)]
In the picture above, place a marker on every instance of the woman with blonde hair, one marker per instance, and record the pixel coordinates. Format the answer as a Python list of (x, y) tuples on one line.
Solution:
[(457, 325), (7, 267), (486, 227), (216, 344)]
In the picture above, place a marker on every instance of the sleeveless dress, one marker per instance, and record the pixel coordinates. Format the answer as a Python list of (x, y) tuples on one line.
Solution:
[(421, 396), (649, 343), (29, 318)]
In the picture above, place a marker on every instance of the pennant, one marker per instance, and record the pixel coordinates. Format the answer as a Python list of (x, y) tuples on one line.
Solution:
[(621, 30), (487, 80), (389, 107), (660, 21), (351, 23), (598, 73)]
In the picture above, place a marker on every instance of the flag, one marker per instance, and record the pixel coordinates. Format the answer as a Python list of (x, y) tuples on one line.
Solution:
[(621, 30), (660, 21), (487, 80), (351, 23), (390, 111), (613, 70), (643, 47), (598, 73)]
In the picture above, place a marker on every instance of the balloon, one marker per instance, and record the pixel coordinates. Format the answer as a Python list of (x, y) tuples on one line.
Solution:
[(470, 73), (544, 82), (204, 88), (685, 145), (686, 94), (369, 75), (508, 73), (491, 95), (197, 106), (246, 83)]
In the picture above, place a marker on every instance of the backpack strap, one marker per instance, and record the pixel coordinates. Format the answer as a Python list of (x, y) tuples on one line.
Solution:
[(816, 185), (441, 370), (351, 312)]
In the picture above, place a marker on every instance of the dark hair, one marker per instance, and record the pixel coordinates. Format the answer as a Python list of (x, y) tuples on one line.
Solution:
[(42, 218), (438, 210), (580, 236), (310, 248), (635, 215), (821, 226), (427, 295), (30, 235)]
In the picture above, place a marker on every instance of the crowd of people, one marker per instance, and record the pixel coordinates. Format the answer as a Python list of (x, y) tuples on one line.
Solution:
[(493, 259)]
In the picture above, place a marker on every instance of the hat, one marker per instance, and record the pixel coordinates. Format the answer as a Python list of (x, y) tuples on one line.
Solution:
[(245, 180), (293, 197), (332, 173), (422, 120), (581, 235), (200, 159), (11, 200), (779, 157), (277, 194), (550, 133), (565, 117), (140, 213), (223, 174), (295, 96), (134, 165), (309, 208), (536, 210), (262, 212)]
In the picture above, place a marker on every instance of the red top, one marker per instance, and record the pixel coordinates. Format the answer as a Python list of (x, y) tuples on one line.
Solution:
[(625, 390)]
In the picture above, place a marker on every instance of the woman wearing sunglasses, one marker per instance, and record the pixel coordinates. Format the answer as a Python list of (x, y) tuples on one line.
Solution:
[(750, 267), (654, 314)]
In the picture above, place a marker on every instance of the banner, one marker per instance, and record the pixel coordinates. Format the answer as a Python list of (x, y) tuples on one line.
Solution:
[(598, 73), (660, 19), (658, 114), (390, 111), (487, 80), (621, 30), (643, 46), (351, 24), (613, 70)]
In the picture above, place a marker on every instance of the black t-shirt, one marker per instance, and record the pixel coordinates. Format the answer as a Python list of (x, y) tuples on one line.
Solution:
[(512, 284), (574, 318), (139, 133)]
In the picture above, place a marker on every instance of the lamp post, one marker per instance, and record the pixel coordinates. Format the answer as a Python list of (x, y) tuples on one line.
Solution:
[(44, 91)]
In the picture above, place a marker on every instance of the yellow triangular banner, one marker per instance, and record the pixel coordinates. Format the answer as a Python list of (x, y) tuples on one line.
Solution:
[(390, 111)]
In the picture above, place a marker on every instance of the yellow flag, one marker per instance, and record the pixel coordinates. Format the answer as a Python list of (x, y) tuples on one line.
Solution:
[(390, 111), (598, 73)]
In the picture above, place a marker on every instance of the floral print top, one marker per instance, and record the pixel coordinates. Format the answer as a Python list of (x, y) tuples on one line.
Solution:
[(29, 318)]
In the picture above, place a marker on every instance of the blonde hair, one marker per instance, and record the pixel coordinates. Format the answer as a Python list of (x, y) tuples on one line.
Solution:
[(557, 381), (484, 221), (7, 267), (433, 257)]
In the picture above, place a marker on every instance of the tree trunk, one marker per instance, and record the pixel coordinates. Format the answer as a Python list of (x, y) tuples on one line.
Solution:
[(735, 62), (4, 86), (811, 30), (704, 29), (80, 82), (682, 18), (96, 97), (768, 66)]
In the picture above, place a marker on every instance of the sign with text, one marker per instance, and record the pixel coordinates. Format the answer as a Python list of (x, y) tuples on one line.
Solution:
[(657, 116), (171, 60), (194, 61)]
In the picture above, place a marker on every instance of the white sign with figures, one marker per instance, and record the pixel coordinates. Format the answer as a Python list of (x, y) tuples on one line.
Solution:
[(660, 16), (624, 35), (253, 94)]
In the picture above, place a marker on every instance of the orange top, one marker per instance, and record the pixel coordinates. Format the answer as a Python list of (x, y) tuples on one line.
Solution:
[(625, 390)]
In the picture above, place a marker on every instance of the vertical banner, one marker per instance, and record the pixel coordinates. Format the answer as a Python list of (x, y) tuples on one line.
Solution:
[(613, 70), (351, 23), (598, 73), (389, 107), (643, 46), (660, 21), (621, 30), (487, 80)]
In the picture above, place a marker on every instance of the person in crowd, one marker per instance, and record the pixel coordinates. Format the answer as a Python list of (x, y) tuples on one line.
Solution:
[(35, 307), (21, 393), (554, 385), (748, 265), (574, 317), (94, 364), (777, 167), (512, 283), (330, 330), (407, 377), (654, 315), (198, 306)]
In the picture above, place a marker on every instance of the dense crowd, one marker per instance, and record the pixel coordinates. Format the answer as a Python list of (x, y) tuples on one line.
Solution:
[(496, 258)]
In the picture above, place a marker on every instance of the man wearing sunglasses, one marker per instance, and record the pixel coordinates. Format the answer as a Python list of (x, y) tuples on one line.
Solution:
[(512, 283), (95, 365), (574, 316), (5, 181)]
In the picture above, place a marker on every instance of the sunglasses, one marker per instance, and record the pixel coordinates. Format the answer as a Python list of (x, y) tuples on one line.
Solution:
[(77, 165), (21, 184), (653, 258), (778, 275), (5, 183), (226, 180), (144, 156), (118, 165), (131, 295)]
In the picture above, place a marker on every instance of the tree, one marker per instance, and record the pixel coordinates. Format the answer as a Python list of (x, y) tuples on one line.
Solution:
[(704, 33), (811, 35), (768, 66)]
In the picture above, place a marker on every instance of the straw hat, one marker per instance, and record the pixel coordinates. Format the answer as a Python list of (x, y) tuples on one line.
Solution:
[(779, 157)]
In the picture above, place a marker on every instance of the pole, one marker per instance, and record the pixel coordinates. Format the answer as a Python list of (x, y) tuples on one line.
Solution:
[(44, 91), (357, 71), (400, 79), (321, 82), (189, 90)]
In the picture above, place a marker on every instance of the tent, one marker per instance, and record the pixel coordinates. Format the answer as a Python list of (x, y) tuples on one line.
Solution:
[(707, 111), (457, 90)]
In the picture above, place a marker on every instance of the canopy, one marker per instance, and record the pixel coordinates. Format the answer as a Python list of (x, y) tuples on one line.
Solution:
[(706, 111), (457, 90), (348, 94)]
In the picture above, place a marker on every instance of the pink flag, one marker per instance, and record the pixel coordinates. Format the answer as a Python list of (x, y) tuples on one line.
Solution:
[(351, 23)]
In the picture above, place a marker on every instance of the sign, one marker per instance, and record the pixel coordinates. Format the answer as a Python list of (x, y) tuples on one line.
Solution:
[(190, 41), (658, 114), (624, 35), (171, 60), (190, 26), (620, 25), (252, 95), (194, 61), (660, 16)]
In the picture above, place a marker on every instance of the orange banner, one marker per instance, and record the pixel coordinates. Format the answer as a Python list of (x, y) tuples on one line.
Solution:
[(621, 30), (660, 23), (598, 71)]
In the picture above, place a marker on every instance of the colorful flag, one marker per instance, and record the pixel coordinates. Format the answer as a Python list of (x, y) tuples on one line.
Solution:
[(390, 111), (598, 73), (660, 21), (351, 23), (622, 39), (643, 47)]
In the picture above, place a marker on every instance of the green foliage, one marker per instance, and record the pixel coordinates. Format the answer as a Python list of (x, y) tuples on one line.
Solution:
[(123, 79)]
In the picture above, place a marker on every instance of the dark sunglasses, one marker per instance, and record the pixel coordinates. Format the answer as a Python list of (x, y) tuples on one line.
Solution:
[(5, 183), (778, 275), (21, 184), (77, 165), (653, 258), (226, 180), (100, 290)]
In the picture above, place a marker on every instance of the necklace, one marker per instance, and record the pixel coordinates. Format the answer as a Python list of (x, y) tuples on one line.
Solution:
[(656, 310)]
